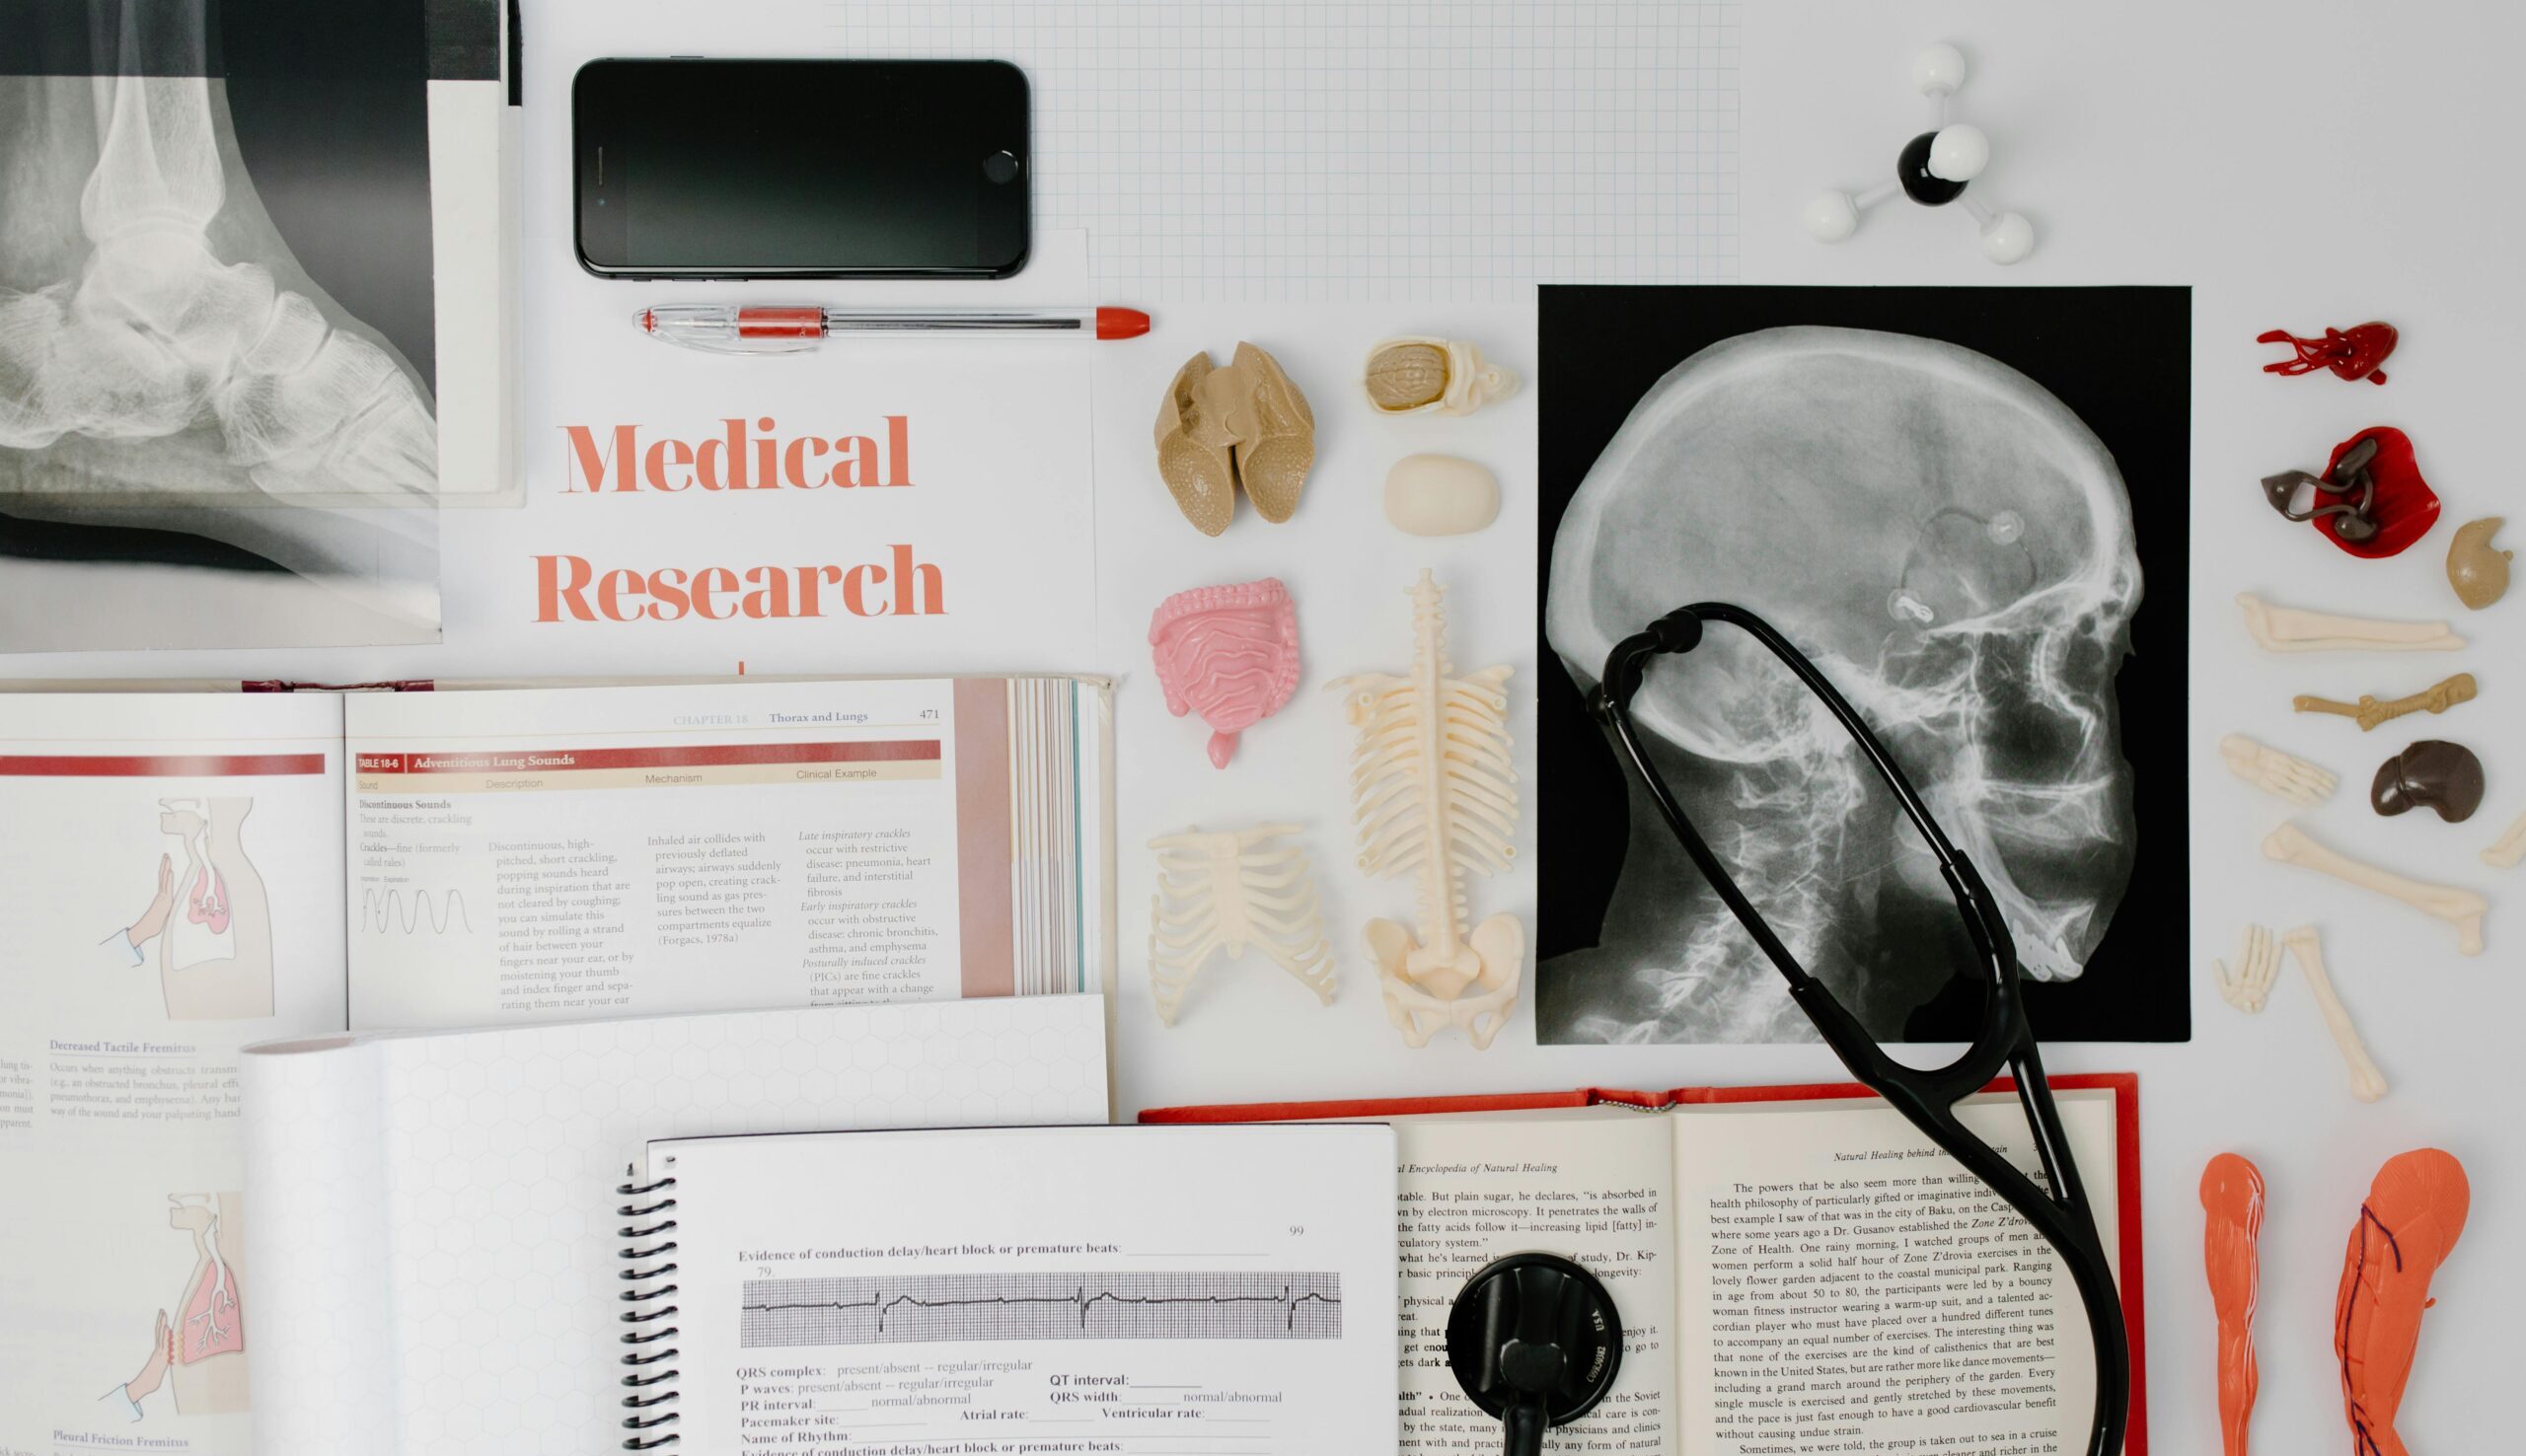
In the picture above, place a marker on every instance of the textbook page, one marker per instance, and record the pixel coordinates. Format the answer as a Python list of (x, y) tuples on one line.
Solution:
[(175, 891), (1593, 1187), (1132, 1289), (564, 853), (1846, 1287)]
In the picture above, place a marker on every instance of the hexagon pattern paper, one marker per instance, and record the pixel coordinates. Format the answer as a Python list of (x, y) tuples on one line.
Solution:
[(435, 1250)]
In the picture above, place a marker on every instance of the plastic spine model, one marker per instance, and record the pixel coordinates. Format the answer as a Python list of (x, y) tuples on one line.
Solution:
[(649, 1309), (1231, 891), (1434, 796)]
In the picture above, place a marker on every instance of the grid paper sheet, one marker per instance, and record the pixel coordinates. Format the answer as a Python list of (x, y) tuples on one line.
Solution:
[(1409, 152)]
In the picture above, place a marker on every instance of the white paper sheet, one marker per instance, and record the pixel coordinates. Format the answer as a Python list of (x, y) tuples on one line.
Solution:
[(437, 1216)]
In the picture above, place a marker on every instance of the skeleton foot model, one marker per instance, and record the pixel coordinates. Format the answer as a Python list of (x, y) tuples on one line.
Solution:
[(2290, 629), (1433, 796), (1228, 892), (2275, 772), (2257, 964), (2366, 1082), (2462, 908)]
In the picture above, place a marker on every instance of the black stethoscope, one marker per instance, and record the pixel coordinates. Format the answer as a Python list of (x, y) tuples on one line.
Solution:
[(1512, 1308)]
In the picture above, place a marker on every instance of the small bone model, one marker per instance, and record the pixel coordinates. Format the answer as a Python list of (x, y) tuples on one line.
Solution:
[(2350, 353), (2369, 713), (2462, 908), (2433, 773), (2475, 568), (1414, 375), (1243, 427), (1932, 170), (2415, 1213), (1230, 653), (2232, 1226), (2289, 629), (2275, 772), (1434, 796), (2366, 1082), (2258, 965), (2509, 847), (1228, 892)]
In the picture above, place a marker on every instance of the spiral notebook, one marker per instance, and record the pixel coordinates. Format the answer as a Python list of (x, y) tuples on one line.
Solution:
[(1133, 1290), (431, 1251)]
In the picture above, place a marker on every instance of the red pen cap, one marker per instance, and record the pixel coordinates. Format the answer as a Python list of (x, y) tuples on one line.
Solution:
[(1121, 322)]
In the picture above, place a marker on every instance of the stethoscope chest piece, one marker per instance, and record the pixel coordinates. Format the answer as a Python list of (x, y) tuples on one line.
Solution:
[(1535, 1340)]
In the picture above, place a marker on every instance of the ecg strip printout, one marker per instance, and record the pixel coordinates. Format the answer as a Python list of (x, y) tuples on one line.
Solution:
[(1139, 1305), (1322, 150)]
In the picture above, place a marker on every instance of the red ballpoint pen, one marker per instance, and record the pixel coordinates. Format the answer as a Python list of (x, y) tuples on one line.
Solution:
[(729, 329)]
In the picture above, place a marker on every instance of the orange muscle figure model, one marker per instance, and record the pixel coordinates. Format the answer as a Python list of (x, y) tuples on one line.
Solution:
[(2414, 1211), (2232, 1206)]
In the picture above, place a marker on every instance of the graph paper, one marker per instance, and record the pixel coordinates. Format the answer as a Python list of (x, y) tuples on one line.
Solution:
[(1313, 151), (916, 1309)]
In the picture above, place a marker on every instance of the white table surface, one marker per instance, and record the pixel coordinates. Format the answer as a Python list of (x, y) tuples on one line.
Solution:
[(2300, 164)]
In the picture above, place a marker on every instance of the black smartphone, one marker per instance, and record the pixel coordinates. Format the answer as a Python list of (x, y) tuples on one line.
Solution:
[(692, 168)]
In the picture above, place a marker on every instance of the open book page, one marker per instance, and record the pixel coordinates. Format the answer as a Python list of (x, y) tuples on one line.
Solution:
[(1592, 1186), (1141, 1290), (174, 891), (544, 854), (1845, 1286), (437, 1224)]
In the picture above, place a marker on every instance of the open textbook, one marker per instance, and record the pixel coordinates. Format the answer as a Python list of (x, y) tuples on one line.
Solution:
[(434, 1258), (190, 873), (1798, 1270)]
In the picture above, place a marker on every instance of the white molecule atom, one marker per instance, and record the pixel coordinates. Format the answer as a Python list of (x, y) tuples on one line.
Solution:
[(1932, 170)]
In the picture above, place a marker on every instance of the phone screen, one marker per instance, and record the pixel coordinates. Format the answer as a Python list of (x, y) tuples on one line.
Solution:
[(801, 168)]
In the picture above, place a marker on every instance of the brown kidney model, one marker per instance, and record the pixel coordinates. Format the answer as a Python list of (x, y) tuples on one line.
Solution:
[(2446, 776)]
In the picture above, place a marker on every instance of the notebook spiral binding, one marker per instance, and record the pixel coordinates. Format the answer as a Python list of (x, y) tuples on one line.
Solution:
[(647, 1268)]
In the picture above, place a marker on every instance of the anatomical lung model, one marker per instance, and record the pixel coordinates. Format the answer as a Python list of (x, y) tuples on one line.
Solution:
[(1433, 797)]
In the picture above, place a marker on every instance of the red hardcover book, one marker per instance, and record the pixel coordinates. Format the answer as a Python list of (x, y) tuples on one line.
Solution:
[(1823, 1281)]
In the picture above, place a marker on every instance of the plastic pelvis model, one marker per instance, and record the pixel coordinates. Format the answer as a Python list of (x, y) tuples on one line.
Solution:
[(2415, 1212), (1230, 653), (1434, 796), (1230, 892), (2232, 1227), (2350, 353), (1932, 170), (2370, 501)]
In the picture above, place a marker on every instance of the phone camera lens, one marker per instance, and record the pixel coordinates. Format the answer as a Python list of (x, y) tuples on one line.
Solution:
[(999, 168)]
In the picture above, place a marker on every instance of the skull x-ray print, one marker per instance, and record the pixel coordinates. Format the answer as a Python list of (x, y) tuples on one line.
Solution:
[(1967, 506)]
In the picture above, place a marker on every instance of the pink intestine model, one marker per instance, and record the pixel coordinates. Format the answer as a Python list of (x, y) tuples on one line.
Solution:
[(1230, 653)]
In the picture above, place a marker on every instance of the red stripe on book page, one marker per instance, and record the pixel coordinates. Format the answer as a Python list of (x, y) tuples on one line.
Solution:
[(986, 918), (2125, 1087), (686, 755), (159, 766)]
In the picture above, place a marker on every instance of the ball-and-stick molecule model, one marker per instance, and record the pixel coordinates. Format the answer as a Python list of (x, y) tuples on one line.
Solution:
[(1932, 170)]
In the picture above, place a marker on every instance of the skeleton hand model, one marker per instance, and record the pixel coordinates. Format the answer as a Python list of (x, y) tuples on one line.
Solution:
[(2366, 1082), (1433, 796), (155, 334), (2258, 965), (1932, 170), (1228, 892), (2275, 772), (2462, 908)]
